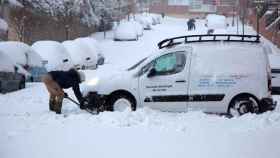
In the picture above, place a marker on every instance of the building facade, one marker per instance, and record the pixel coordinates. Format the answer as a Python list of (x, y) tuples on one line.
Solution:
[(194, 8)]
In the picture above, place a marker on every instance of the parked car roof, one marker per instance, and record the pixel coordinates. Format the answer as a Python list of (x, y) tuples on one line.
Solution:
[(80, 54), (55, 54), (21, 53), (6, 63)]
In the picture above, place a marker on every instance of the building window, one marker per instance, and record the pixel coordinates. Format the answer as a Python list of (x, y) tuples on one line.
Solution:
[(178, 2)]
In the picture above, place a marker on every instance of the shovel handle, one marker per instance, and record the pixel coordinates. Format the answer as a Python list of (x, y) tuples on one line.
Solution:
[(73, 100)]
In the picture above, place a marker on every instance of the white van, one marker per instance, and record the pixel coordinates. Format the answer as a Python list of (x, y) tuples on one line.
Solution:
[(212, 73)]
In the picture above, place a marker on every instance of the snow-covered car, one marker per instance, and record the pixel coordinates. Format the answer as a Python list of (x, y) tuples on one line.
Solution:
[(23, 55), (214, 21), (138, 27), (81, 56), (54, 55), (156, 18), (203, 74), (147, 25), (93, 46), (125, 32), (275, 71), (11, 77)]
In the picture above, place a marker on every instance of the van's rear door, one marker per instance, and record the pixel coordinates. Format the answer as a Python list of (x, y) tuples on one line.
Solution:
[(166, 89)]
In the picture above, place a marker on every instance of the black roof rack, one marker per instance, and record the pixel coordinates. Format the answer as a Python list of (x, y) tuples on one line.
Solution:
[(208, 38)]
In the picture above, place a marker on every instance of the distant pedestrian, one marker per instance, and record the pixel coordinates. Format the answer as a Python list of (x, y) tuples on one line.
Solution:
[(191, 24), (162, 15)]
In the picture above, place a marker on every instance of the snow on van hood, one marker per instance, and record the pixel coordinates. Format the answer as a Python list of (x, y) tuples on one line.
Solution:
[(103, 77)]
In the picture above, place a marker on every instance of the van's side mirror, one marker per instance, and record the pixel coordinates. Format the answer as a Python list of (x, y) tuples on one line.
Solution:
[(152, 73)]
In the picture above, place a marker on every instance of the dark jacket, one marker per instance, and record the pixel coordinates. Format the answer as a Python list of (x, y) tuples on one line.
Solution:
[(68, 79)]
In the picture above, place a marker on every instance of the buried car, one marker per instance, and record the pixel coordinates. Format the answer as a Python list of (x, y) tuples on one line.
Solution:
[(54, 54), (12, 76), (92, 45), (231, 77), (25, 58), (81, 56), (125, 32)]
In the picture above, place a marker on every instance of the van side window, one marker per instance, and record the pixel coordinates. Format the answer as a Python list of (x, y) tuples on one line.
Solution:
[(170, 63)]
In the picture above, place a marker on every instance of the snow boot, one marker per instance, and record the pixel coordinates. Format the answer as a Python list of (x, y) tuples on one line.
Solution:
[(56, 104)]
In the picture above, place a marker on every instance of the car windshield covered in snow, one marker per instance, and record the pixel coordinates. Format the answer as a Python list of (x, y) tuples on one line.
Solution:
[(137, 64)]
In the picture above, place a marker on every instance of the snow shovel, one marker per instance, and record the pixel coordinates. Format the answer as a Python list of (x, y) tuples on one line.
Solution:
[(94, 112)]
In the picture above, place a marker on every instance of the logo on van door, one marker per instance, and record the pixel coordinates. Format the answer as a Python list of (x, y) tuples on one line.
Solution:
[(158, 88), (185, 98), (222, 81)]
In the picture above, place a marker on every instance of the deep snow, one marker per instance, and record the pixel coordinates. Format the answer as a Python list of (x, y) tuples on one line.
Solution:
[(29, 130)]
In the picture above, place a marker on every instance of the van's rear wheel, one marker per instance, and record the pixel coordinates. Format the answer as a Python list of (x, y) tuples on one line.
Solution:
[(242, 105), (122, 102)]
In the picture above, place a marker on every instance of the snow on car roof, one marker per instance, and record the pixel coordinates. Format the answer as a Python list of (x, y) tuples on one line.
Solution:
[(15, 51), (6, 63), (55, 54), (91, 43), (75, 51), (21, 53)]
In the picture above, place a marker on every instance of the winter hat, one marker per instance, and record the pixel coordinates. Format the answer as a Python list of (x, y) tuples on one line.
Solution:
[(82, 76)]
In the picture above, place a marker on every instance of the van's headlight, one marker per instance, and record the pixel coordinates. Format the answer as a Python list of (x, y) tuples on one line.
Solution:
[(93, 82)]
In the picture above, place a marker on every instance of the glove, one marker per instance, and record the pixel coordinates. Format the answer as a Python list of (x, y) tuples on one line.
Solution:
[(65, 95), (84, 105)]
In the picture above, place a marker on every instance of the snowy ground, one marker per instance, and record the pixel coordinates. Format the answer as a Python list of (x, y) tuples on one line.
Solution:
[(29, 130)]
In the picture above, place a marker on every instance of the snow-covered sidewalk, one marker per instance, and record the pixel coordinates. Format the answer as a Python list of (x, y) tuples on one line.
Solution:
[(29, 130)]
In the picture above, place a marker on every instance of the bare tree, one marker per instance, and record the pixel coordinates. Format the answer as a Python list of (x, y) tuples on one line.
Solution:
[(21, 19)]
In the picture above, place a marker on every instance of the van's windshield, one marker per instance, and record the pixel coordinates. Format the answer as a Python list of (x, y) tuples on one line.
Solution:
[(137, 64)]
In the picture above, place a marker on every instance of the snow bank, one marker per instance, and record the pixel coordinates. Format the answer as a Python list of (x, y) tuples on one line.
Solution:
[(3, 25), (6, 63), (143, 133), (55, 54)]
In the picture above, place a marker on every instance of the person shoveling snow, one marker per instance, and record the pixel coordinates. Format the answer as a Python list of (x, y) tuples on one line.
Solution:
[(56, 81)]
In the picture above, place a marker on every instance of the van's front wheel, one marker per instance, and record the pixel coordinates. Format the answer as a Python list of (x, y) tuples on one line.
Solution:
[(243, 104), (122, 102)]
